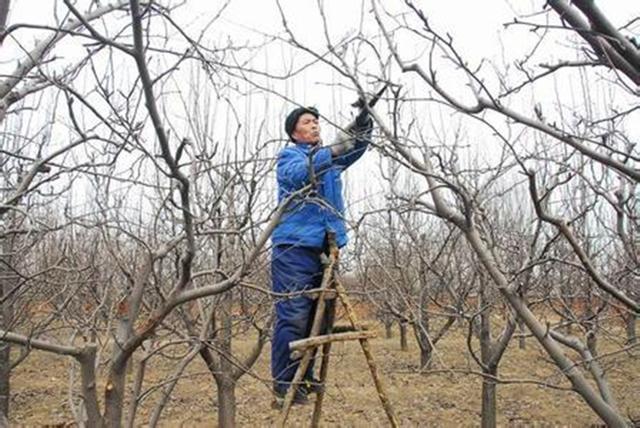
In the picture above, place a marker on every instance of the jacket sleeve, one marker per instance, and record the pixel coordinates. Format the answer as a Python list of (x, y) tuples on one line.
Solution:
[(293, 166), (363, 138)]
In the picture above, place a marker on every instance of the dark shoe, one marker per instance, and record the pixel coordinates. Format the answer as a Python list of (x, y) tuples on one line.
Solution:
[(312, 386), (299, 398)]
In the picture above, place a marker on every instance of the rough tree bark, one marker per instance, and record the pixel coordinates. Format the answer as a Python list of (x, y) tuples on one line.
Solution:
[(388, 328), (404, 346), (522, 334), (491, 352), (226, 391), (424, 343), (4, 14), (630, 322), (223, 374), (488, 418), (6, 280)]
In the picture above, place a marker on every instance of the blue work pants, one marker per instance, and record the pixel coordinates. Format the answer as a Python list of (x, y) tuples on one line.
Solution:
[(292, 269)]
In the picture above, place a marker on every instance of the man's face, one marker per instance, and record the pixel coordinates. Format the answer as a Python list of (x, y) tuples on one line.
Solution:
[(307, 129)]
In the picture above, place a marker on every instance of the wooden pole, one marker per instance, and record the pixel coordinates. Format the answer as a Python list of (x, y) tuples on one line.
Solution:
[(324, 366), (366, 349)]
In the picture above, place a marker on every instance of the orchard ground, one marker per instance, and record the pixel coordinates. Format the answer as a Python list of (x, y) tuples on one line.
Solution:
[(447, 395)]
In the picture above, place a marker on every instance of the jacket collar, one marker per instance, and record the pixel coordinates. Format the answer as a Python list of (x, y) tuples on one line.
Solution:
[(306, 147)]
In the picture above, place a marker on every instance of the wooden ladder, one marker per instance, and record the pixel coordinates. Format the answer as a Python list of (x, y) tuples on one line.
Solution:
[(331, 287)]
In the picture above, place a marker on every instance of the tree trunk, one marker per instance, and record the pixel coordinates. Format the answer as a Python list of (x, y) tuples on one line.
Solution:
[(224, 379), (226, 401), (489, 398), (424, 343), (421, 329), (5, 363), (632, 337), (591, 324), (425, 357), (568, 301), (592, 342), (488, 348), (89, 393), (7, 281), (114, 396), (403, 336), (388, 330), (116, 380), (522, 331), (5, 372), (137, 387), (4, 14), (423, 326)]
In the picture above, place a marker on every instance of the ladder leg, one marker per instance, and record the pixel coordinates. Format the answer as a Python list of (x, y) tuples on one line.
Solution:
[(364, 343), (324, 367), (288, 399)]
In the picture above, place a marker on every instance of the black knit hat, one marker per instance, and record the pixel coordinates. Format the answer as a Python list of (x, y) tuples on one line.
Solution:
[(292, 118)]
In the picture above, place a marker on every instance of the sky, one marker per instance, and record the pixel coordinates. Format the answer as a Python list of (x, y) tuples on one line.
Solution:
[(476, 27)]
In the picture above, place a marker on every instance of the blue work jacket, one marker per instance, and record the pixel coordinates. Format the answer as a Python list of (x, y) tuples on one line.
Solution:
[(308, 218)]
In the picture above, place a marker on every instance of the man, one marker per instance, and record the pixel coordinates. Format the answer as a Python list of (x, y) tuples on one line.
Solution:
[(300, 238)]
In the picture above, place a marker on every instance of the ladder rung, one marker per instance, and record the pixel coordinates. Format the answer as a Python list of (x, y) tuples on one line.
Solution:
[(298, 347), (314, 293)]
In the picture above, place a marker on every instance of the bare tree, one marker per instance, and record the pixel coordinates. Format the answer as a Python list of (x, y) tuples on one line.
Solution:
[(139, 153), (464, 215)]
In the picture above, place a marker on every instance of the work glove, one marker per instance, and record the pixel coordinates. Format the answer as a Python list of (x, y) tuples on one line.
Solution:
[(346, 140), (363, 121)]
